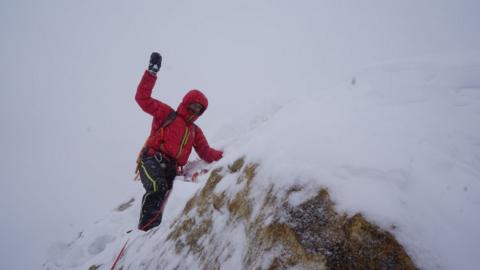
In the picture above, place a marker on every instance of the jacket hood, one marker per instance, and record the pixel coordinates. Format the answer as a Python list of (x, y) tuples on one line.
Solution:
[(193, 96)]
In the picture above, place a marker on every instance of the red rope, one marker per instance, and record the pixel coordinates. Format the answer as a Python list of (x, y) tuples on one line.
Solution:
[(120, 255), (122, 251)]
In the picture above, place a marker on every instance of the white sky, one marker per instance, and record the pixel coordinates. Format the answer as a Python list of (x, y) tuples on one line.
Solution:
[(70, 129)]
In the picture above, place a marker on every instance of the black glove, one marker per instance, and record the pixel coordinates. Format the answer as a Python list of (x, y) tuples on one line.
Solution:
[(155, 62)]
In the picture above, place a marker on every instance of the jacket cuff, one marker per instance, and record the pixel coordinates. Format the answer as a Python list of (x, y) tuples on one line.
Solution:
[(150, 75)]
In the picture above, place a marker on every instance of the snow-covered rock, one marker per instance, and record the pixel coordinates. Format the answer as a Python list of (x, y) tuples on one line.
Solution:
[(397, 146), (224, 227)]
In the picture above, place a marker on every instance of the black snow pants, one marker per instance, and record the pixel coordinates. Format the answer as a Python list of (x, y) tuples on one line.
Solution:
[(157, 174)]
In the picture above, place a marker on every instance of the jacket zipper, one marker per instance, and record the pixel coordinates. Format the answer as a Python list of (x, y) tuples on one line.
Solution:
[(184, 141)]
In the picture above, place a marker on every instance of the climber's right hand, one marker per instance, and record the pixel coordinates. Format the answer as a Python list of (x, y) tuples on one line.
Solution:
[(155, 62)]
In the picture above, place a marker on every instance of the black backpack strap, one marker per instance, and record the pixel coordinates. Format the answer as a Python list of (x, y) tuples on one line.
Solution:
[(170, 117)]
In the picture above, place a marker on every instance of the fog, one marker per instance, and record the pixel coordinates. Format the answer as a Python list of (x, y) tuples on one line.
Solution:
[(71, 130)]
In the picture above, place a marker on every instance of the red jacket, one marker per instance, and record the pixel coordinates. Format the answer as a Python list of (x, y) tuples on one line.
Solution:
[(178, 137)]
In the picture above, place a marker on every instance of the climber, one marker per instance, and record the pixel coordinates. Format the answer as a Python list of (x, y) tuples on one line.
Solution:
[(166, 151)]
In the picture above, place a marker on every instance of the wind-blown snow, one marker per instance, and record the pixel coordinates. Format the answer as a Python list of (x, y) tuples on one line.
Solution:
[(400, 145), (375, 100)]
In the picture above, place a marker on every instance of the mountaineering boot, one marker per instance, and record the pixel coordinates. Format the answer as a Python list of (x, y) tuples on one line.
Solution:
[(157, 174), (151, 215)]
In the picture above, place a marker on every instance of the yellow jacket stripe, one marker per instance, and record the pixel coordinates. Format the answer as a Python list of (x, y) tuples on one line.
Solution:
[(184, 141)]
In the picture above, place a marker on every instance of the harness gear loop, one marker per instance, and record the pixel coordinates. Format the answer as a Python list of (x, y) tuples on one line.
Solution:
[(158, 157), (143, 150)]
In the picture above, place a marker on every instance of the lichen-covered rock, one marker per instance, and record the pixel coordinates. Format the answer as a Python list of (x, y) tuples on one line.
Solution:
[(237, 165), (311, 235)]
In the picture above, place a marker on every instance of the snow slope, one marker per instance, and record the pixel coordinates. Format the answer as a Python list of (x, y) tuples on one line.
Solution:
[(398, 142), (70, 128)]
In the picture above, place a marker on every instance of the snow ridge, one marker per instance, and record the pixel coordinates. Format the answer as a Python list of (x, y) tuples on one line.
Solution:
[(398, 142)]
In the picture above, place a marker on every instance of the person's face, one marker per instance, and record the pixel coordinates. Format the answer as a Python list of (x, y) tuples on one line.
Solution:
[(195, 108)]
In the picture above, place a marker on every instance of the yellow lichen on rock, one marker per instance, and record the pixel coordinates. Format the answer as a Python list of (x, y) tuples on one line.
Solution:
[(214, 178), (278, 235), (186, 231), (250, 172), (218, 200), (237, 165), (375, 248), (241, 206), (290, 251)]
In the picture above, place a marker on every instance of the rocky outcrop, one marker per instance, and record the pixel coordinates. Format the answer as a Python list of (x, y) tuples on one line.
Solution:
[(279, 235)]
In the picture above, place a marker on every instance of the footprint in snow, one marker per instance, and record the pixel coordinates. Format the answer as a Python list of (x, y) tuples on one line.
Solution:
[(100, 243)]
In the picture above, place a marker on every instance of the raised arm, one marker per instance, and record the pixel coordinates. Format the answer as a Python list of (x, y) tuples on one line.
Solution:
[(144, 90), (204, 150)]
